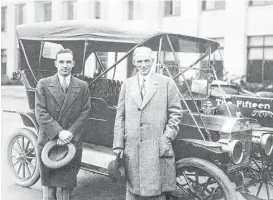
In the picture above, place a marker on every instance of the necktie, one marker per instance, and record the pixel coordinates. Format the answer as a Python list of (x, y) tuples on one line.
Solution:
[(64, 86), (143, 89)]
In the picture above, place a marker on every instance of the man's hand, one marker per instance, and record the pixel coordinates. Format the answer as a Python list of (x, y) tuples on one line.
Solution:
[(65, 137), (117, 151), (60, 142)]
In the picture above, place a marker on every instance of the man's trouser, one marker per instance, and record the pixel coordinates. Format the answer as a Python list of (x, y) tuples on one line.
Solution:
[(50, 193)]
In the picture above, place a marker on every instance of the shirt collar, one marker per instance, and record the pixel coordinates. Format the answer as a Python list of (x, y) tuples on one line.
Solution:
[(67, 78), (147, 77)]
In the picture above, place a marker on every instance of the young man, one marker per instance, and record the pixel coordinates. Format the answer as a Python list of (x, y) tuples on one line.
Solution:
[(147, 121), (62, 106)]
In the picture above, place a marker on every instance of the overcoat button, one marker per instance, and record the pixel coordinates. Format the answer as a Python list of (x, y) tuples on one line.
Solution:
[(139, 109), (141, 140)]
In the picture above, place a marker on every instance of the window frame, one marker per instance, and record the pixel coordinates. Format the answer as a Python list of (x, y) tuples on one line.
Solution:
[(20, 13), (203, 5), (70, 9), (4, 21), (263, 47), (46, 5), (131, 9), (97, 9), (250, 3), (4, 64), (173, 12)]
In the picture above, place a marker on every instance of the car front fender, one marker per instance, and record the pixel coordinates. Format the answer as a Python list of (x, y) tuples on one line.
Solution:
[(28, 118), (196, 148)]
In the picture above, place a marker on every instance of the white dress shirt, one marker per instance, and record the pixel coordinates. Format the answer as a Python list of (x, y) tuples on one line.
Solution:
[(67, 79), (147, 81)]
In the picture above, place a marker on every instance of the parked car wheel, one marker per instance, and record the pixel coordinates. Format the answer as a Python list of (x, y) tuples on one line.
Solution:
[(22, 157), (259, 177), (200, 179)]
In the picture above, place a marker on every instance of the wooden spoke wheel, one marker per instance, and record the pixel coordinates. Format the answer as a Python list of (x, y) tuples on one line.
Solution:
[(259, 178), (201, 180), (22, 157)]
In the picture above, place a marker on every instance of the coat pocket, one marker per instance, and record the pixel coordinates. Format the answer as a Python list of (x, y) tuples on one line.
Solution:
[(165, 147)]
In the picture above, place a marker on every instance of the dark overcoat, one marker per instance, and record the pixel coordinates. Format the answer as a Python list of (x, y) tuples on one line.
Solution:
[(150, 126), (56, 111)]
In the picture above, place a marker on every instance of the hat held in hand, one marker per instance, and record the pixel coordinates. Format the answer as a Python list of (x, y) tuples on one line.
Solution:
[(55, 156), (116, 169)]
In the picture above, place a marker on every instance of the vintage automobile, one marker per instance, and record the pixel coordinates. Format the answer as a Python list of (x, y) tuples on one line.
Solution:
[(258, 107), (210, 150)]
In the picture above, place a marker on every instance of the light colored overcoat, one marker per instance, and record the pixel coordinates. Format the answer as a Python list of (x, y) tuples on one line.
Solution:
[(149, 126), (56, 111)]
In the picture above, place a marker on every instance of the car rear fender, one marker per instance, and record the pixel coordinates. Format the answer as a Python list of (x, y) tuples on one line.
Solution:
[(28, 118)]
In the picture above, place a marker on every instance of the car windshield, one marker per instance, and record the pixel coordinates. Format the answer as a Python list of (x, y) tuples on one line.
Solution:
[(230, 89), (226, 89)]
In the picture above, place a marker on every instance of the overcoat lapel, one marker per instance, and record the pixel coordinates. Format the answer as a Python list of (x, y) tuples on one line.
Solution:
[(72, 93), (56, 90), (150, 93), (135, 91)]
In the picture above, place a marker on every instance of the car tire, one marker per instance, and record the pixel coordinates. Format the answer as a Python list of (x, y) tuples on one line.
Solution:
[(259, 182), (22, 157), (188, 167)]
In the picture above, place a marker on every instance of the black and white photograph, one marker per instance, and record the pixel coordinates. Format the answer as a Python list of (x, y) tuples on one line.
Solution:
[(137, 99)]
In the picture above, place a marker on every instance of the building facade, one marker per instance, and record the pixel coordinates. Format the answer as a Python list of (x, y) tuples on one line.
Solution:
[(242, 27)]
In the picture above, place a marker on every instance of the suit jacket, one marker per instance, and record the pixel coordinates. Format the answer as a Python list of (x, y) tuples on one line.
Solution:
[(150, 126), (55, 112)]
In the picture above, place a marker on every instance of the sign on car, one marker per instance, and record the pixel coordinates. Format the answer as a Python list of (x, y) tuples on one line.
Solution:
[(254, 107)]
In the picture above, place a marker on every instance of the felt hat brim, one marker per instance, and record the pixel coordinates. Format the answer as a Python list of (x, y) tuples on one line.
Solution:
[(60, 163)]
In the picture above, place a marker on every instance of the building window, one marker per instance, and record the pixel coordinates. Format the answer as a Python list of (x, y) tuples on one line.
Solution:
[(130, 10), (97, 10), (70, 10), (172, 8), (260, 2), (3, 18), (47, 11), (19, 10), (213, 4), (260, 59), (3, 61), (134, 9)]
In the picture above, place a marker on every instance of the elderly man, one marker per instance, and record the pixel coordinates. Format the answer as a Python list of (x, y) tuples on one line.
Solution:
[(147, 121), (62, 107)]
